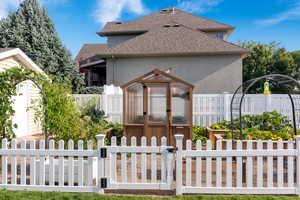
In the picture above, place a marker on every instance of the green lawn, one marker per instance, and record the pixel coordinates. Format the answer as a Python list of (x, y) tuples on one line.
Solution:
[(25, 195)]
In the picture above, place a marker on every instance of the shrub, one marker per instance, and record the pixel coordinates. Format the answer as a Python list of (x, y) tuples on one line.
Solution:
[(61, 117), (95, 123), (91, 90), (267, 126), (199, 133)]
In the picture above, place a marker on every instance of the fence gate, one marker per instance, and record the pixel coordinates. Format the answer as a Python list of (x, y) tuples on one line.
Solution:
[(136, 167)]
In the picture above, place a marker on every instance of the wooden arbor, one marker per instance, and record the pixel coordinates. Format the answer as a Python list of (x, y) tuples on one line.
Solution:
[(157, 104)]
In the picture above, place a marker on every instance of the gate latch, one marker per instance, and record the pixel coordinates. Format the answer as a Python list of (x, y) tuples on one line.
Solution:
[(172, 149), (103, 183), (103, 153)]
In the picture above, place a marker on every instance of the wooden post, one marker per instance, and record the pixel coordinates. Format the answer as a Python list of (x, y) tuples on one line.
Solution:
[(298, 163), (179, 139)]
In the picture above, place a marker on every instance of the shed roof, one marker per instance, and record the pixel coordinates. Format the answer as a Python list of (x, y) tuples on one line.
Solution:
[(156, 72)]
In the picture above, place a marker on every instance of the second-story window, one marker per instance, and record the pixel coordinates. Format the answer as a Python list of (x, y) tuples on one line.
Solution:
[(220, 35)]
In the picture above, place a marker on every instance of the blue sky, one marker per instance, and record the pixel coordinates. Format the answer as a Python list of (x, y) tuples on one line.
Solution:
[(77, 21)]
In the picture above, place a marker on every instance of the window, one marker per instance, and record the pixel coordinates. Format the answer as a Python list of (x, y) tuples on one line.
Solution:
[(220, 35)]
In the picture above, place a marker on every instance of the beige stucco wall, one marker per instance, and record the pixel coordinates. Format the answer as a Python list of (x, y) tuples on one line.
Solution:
[(209, 74), (27, 98)]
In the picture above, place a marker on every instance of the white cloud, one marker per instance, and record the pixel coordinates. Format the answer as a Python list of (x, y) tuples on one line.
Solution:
[(111, 10), (7, 6), (292, 13), (198, 6)]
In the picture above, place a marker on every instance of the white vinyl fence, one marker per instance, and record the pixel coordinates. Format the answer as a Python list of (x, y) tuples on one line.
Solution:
[(207, 108), (230, 167), (242, 167)]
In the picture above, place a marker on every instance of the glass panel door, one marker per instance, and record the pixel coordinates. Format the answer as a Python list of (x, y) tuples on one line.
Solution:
[(157, 103)]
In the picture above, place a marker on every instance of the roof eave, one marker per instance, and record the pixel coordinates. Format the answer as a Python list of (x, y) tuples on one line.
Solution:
[(111, 33), (118, 55)]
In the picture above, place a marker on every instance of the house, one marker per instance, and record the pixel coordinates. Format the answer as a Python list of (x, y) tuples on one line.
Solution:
[(24, 116), (195, 48)]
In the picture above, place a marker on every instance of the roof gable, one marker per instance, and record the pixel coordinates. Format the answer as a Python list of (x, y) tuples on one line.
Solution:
[(175, 40), (163, 17), (22, 57)]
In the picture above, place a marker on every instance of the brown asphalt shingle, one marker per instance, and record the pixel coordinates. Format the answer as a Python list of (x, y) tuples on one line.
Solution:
[(89, 50), (179, 41), (161, 17)]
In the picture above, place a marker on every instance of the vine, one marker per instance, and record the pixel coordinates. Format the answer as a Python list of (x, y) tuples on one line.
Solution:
[(9, 79)]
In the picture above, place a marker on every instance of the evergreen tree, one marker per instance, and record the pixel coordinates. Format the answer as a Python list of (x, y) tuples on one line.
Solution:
[(30, 29)]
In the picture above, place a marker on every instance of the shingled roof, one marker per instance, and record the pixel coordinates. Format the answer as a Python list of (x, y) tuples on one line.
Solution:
[(175, 40), (163, 17), (90, 50)]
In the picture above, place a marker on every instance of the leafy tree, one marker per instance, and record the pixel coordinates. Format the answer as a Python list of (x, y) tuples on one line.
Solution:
[(296, 56), (30, 29), (267, 59)]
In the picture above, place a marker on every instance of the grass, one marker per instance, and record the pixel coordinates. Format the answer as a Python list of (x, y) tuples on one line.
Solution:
[(25, 195)]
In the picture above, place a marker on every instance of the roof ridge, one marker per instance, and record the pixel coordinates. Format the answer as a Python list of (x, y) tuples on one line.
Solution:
[(204, 18)]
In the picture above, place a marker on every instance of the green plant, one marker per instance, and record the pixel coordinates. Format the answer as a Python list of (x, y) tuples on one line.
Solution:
[(61, 117), (199, 133), (9, 79), (95, 123), (91, 90)]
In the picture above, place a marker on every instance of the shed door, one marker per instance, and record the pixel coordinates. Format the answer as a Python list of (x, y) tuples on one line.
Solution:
[(156, 110)]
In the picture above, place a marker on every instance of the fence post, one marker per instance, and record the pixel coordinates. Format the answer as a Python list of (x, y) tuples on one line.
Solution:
[(179, 140), (100, 175), (298, 163)]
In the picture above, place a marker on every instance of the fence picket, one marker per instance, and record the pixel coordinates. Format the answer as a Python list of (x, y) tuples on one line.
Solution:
[(71, 164), (290, 167), (42, 164), (90, 165), (208, 165), (280, 171), (80, 164), (4, 162), (153, 161), (239, 165), (113, 161), (14, 163), (219, 165), (249, 168), (133, 161), (163, 161), (51, 164), (229, 165), (259, 167), (270, 165), (61, 166), (144, 160), (32, 164), (188, 164), (123, 162), (198, 165), (23, 164)]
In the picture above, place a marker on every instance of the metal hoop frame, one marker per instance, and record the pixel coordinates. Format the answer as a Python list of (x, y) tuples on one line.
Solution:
[(278, 80)]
